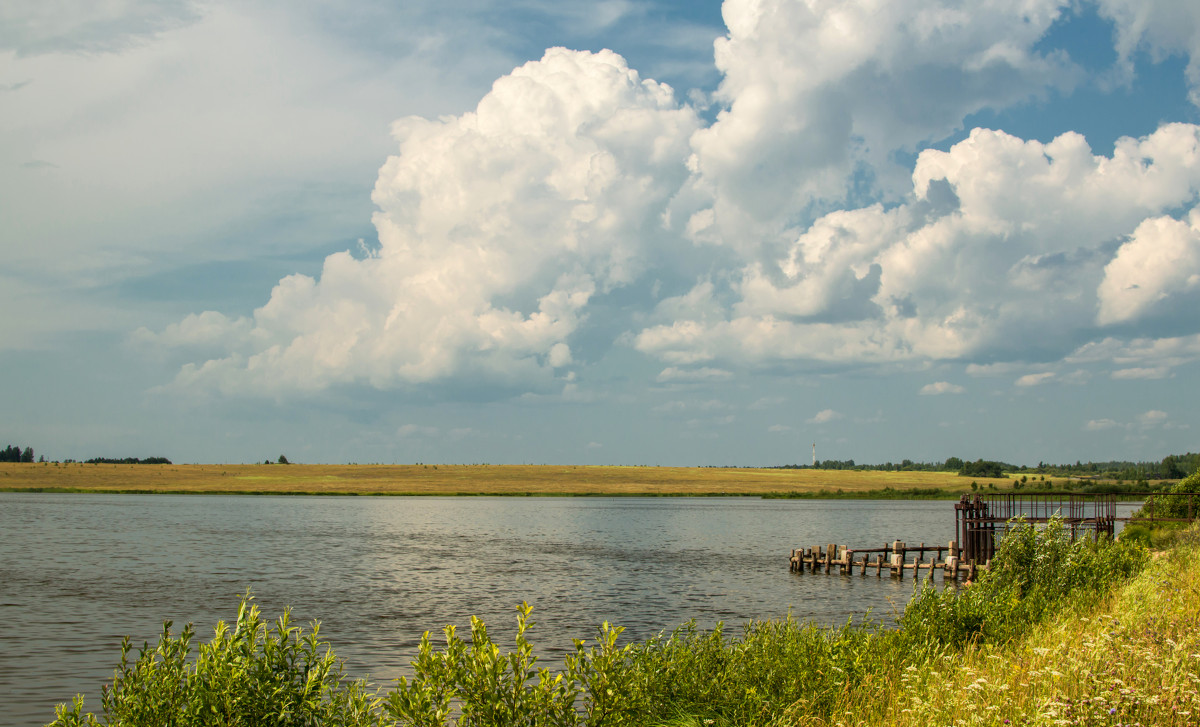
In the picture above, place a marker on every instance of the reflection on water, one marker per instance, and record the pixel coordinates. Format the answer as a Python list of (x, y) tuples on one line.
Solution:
[(77, 572)]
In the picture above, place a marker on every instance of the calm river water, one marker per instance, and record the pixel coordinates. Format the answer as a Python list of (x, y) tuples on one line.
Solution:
[(77, 572)]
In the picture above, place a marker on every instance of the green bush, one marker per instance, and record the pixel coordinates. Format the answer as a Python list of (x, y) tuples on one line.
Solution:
[(249, 676), (1033, 574), (1181, 501), (690, 674), (754, 678), (1140, 534), (482, 685)]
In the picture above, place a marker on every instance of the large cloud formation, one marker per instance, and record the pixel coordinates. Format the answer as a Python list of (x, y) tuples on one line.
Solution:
[(1002, 244), (813, 92), (574, 178), (549, 191)]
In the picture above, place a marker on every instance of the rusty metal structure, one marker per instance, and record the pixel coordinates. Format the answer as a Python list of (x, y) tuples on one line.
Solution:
[(1170, 507), (980, 519)]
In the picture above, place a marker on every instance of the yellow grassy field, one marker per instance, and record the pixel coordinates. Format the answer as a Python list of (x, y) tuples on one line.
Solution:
[(462, 479)]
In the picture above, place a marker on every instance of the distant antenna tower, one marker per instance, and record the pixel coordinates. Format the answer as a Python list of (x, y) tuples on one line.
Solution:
[(814, 455)]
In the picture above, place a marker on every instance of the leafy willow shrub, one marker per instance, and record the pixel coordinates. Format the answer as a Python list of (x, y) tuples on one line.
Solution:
[(247, 676), (1033, 574), (690, 674), (770, 668), (483, 687), (1175, 502)]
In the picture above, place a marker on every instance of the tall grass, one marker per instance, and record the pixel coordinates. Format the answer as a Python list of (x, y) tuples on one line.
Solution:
[(1131, 657), (996, 650), (1034, 574)]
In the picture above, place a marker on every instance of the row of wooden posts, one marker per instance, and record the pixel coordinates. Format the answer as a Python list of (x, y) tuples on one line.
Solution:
[(894, 558)]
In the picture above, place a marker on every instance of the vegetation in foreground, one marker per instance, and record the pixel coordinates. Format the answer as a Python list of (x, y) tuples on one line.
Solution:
[(1059, 632)]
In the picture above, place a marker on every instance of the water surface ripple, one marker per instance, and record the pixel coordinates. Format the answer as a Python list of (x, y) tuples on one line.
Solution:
[(77, 572)]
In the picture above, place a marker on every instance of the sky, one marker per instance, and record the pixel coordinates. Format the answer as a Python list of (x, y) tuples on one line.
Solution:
[(607, 232)]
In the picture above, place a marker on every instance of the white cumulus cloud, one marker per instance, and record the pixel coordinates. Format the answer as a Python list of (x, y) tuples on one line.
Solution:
[(1160, 260), (812, 89), (496, 228), (1139, 357), (1001, 240), (1162, 27), (574, 177)]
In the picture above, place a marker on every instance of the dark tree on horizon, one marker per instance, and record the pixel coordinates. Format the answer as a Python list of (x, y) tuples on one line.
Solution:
[(13, 453)]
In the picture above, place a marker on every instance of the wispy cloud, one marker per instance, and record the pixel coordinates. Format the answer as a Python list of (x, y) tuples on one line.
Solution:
[(672, 374), (1152, 418), (1154, 372), (941, 387), (1146, 421), (411, 431), (825, 416), (1029, 380)]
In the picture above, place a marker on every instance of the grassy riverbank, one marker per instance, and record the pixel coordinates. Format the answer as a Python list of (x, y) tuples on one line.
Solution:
[(274, 479), (1132, 658), (1057, 633)]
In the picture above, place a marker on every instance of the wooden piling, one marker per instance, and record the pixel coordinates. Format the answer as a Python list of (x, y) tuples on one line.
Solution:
[(846, 559)]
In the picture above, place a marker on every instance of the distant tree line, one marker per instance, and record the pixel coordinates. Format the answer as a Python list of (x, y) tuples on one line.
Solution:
[(1171, 467), (837, 464), (128, 460), (16, 454), (980, 468)]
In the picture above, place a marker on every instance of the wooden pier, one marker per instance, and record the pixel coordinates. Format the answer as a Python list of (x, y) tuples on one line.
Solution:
[(980, 523), (894, 559)]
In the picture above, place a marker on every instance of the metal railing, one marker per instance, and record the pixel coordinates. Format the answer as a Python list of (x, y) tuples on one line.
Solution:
[(980, 518)]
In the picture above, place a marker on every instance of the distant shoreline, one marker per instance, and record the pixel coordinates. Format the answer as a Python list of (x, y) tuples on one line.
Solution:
[(486, 480), (864, 495)]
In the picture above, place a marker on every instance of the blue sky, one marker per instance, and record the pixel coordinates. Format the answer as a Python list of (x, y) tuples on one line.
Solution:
[(611, 232)]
